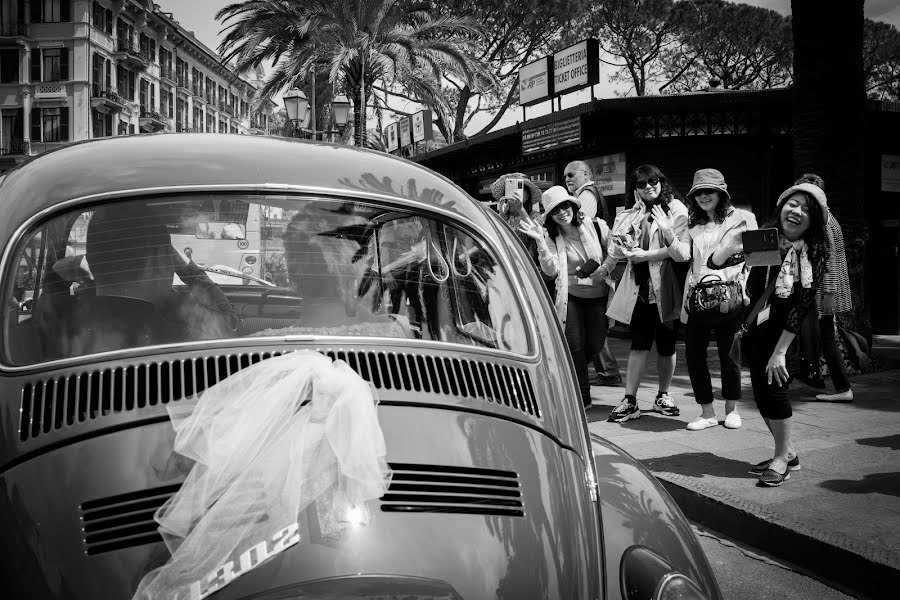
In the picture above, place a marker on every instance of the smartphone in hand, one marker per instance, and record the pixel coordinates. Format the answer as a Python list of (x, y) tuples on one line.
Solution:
[(761, 247), (587, 268)]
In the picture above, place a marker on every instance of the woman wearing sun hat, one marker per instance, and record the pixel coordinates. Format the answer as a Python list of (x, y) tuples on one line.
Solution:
[(781, 296), (711, 217), (566, 242)]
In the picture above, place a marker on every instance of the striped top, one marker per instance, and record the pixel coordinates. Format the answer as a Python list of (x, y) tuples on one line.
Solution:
[(836, 281)]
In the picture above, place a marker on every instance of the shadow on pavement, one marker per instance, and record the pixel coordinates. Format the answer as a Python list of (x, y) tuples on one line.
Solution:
[(874, 483), (700, 464), (891, 441)]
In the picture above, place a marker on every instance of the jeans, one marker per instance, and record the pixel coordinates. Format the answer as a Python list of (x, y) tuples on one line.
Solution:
[(605, 362), (832, 354), (696, 341), (586, 327)]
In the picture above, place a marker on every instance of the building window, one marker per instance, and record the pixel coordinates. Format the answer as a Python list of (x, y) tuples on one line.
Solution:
[(12, 131), (50, 64), (167, 102), (124, 35), (210, 123), (148, 47), (102, 124), (125, 82), (9, 65), (103, 18), (51, 11), (180, 114), (50, 124)]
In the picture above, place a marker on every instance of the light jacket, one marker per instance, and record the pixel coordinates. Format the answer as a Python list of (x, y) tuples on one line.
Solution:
[(621, 307), (687, 245)]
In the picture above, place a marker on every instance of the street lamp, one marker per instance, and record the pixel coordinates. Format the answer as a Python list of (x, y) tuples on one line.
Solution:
[(297, 106)]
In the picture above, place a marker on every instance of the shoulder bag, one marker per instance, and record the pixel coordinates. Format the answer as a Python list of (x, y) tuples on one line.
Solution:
[(735, 352)]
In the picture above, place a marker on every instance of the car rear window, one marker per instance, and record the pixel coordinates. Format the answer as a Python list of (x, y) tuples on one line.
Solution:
[(201, 267)]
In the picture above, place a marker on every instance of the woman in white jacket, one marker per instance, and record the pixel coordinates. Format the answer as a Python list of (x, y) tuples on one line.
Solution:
[(565, 242), (712, 219), (647, 297)]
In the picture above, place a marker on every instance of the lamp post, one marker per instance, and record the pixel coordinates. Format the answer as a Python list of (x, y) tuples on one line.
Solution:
[(297, 106)]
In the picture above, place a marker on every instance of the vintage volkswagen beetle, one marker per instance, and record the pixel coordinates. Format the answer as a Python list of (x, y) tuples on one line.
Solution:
[(363, 257)]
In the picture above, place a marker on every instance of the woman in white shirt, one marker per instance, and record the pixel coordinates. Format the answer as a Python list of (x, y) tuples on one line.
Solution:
[(711, 218)]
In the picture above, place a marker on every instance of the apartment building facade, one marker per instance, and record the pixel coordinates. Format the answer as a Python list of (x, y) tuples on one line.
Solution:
[(80, 69)]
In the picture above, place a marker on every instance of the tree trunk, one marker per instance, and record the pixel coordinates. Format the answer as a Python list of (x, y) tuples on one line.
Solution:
[(829, 121)]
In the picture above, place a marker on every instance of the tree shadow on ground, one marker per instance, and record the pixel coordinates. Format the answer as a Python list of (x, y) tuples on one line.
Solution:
[(874, 483), (700, 464), (890, 441)]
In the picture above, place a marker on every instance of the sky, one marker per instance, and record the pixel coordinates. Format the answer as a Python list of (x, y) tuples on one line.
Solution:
[(199, 16)]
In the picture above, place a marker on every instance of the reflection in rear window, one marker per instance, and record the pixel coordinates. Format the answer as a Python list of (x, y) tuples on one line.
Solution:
[(205, 267)]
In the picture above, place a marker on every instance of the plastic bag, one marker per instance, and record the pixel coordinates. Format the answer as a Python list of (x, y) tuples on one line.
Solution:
[(268, 442)]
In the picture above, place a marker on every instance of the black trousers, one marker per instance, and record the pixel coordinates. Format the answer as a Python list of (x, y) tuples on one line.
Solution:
[(696, 342)]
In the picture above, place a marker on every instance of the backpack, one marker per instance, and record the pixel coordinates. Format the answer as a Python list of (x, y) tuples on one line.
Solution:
[(603, 211)]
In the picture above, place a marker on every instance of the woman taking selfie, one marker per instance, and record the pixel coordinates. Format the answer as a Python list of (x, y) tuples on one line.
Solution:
[(570, 250), (780, 297), (713, 299)]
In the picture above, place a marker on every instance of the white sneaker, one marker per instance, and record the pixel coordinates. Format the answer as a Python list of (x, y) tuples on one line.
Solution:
[(701, 423), (733, 420)]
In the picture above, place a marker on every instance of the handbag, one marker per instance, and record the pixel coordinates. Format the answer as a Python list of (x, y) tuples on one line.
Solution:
[(714, 294), (735, 351)]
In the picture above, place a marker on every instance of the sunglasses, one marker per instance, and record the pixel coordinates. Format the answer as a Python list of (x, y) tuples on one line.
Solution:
[(571, 175), (643, 182), (562, 207), (705, 192)]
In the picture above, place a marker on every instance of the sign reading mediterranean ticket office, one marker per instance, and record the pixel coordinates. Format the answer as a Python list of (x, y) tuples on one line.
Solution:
[(576, 67)]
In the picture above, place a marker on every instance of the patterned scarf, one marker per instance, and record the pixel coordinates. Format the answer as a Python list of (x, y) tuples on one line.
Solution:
[(795, 267)]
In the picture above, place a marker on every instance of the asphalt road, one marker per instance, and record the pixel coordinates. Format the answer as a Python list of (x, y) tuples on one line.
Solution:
[(744, 573)]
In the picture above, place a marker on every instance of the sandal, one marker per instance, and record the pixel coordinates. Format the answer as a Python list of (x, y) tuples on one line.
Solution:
[(772, 478), (760, 468)]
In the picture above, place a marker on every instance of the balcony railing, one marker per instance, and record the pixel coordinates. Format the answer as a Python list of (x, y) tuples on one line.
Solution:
[(13, 29), (167, 73), (183, 81), (227, 108), (15, 146), (131, 54)]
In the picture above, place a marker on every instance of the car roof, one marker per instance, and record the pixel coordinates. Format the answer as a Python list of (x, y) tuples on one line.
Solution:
[(141, 162)]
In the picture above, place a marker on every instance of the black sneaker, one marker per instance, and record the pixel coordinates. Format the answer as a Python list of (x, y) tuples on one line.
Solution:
[(625, 411), (666, 406)]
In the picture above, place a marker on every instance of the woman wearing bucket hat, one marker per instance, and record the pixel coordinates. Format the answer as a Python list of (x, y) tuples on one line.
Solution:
[(649, 295), (711, 218), (781, 297), (571, 251)]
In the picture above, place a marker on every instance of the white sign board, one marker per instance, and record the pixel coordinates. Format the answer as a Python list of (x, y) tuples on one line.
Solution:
[(574, 68), (392, 140), (405, 133), (421, 126), (535, 83), (890, 173)]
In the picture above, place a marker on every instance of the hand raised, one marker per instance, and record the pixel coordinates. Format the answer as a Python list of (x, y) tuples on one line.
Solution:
[(664, 222), (530, 228)]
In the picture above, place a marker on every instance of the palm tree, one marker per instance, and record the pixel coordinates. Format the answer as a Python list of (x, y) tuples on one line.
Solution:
[(355, 43)]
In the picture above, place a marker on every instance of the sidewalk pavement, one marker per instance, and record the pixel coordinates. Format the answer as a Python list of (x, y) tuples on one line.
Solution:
[(838, 517)]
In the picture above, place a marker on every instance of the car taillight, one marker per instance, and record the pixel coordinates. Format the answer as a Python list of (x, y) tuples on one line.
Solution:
[(647, 576)]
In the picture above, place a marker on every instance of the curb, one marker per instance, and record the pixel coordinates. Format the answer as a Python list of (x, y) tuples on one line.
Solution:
[(861, 570)]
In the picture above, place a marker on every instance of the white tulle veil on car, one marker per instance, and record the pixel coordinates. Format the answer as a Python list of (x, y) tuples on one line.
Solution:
[(267, 442)]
